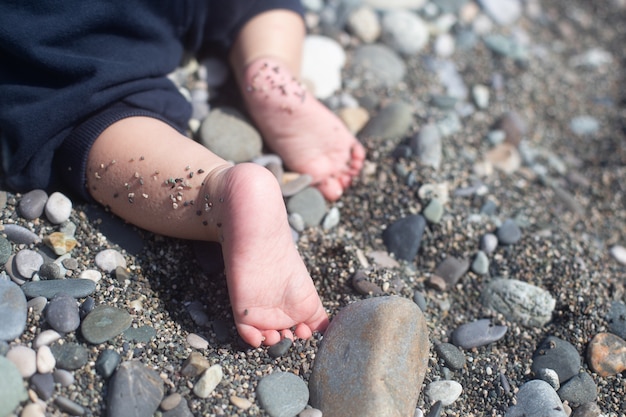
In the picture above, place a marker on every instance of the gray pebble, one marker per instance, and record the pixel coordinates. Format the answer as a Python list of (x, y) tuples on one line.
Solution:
[(435, 410), (310, 412), (104, 323), (480, 264), (557, 354), (5, 250), (32, 204), (134, 390), (58, 208), (477, 333), (37, 304), (451, 355), (427, 146), (77, 288), (282, 394), (296, 222), (226, 132), (584, 125), (404, 31), (12, 392), (391, 123), (20, 235), (198, 314), (43, 384), (141, 334), (509, 232), (107, 363), (68, 406), (537, 398), (293, 187), (279, 349), (70, 263), (62, 313), (63, 377), (13, 310), (310, 204), (451, 269), (70, 356), (50, 270), (363, 285), (27, 262), (488, 243), (331, 219), (420, 300), (382, 66), (580, 389), (433, 211), (616, 319), (87, 306), (444, 391), (403, 237)]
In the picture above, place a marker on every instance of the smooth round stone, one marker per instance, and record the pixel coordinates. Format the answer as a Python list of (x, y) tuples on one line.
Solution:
[(322, 61), (420, 300), (509, 232), (391, 123), (618, 253), (87, 306), (226, 132), (109, 259), (12, 390), (13, 310), (559, 355), (445, 391), (104, 323), (480, 264), (70, 263), (181, 410), (616, 319), (43, 384), (33, 410), (363, 23), (198, 313), (45, 360), (20, 235), (363, 285), (519, 301), (451, 269), (296, 222), (427, 146), (107, 363), (70, 356), (50, 271), (580, 389), (295, 185), (606, 354), (58, 208), (404, 31), (77, 288), (5, 250), (62, 313), (310, 412), (379, 64), (477, 333), (208, 381), (451, 355), (24, 359), (241, 403), (37, 304), (488, 243), (310, 204), (27, 262), (171, 401), (91, 274), (584, 125), (63, 377), (134, 390), (282, 394), (279, 349), (404, 236), (197, 342), (68, 406), (32, 204), (480, 96), (537, 398), (331, 219), (46, 338), (433, 211)]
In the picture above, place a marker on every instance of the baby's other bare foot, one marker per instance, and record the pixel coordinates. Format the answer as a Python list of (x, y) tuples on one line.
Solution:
[(306, 134), (270, 290)]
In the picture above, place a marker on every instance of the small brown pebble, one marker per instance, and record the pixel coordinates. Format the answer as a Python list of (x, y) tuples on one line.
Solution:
[(241, 403), (364, 287), (606, 354), (194, 365), (171, 401), (435, 281)]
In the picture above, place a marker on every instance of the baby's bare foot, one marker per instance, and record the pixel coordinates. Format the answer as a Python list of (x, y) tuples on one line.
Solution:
[(270, 290), (306, 134)]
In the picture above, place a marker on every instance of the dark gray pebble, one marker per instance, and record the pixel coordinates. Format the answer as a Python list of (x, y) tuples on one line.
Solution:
[(536, 398), (107, 363), (5, 250), (13, 310), (477, 333), (509, 232), (134, 390), (363, 286), (557, 354), (68, 406), (310, 204), (420, 300), (580, 389), (77, 288), (21, 235), (87, 306), (32, 204), (62, 313), (222, 330), (104, 323), (43, 384), (50, 270), (143, 334), (282, 394), (451, 355), (404, 237), (616, 319), (70, 356), (279, 349), (435, 410)]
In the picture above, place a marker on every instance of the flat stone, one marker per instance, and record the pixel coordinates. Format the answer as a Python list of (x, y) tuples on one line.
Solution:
[(559, 355), (77, 288), (171, 401), (404, 236), (392, 122), (62, 313), (208, 381), (295, 185), (68, 406), (427, 145), (63, 377), (20, 235), (32, 204), (445, 391), (70, 356), (230, 135), (588, 410), (451, 269), (363, 286), (282, 394), (519, 301), (580, 389), (196, 341), (310, 204), (477, 333), (279, 349), (13, 310), (134, 391), (451, 355), (50, 270), (606, 354), (58, 208), (104, 323), (240, 403), (12, 390), (537, 398), (369, 341)]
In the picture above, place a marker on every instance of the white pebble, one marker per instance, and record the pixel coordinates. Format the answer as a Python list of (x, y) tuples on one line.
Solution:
[(331, 219), (58, 208), (24, 359), (33, 410), (310, 412), (197, 341), (208, 381), (444, 45), (91, 274), (46, 338), (109, 259), (445, 391), (45, 360), (619, 253), (480, 95)]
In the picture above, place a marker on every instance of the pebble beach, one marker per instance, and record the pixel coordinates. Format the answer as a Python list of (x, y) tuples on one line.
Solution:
[(483, 247)]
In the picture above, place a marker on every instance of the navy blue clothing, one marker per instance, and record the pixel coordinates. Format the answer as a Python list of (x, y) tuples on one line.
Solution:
[(71, 68)]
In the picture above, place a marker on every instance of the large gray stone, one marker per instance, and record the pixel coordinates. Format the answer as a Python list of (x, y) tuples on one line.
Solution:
[(135, 391), (12, 390), (372, 360), (226, 132), (13, 310), (537, 398)]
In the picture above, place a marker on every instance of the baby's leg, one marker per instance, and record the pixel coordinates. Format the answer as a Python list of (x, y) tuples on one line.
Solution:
[(304, 132), (157, 179)]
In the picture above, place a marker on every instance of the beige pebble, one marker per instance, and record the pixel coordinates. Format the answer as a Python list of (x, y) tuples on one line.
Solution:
[(171, 401), (197, 341), (241, 403), (504, 157), (45, 360), (194, 365), (208, 381), (91, 274), (46, 338), (24, 358), (60, 243), (33, 410), (355, 118)]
